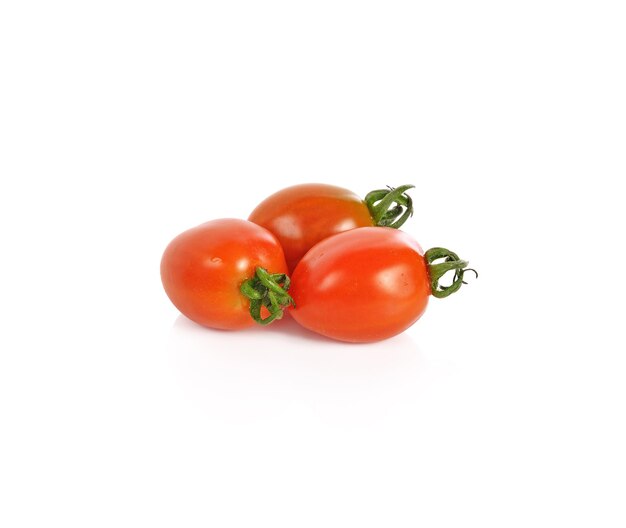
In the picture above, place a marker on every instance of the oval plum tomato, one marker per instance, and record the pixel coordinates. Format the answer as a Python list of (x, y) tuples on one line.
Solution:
[(369, 284), (303, 215), (204, 269)]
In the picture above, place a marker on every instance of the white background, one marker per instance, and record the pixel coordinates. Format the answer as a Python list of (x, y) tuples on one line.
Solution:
[(123, 123)]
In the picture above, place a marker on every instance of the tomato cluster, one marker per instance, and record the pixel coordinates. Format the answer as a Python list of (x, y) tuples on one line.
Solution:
[(338, 264)]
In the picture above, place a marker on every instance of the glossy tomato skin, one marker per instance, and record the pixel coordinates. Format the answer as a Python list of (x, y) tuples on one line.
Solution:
[(303, 215), (363, 285), (203, 268)]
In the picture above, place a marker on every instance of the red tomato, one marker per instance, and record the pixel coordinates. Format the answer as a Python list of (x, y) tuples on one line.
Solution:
[(303, 215), (368, 284), (204, 268)]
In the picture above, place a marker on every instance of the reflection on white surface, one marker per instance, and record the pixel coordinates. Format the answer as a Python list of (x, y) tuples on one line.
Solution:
[(261, 373)]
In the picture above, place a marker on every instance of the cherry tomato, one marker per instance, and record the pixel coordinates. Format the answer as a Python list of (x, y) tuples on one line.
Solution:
[(303, 215), (368, 284), (204, 268)]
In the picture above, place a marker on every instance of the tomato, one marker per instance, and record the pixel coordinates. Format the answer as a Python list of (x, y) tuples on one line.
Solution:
[(303, 215), (203, 271), (369, 284)]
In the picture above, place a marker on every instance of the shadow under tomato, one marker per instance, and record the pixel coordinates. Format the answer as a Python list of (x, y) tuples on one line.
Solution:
[(270, 372), (287, 326)]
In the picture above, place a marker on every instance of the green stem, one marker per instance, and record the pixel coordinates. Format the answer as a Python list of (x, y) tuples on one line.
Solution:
[(269, 290), (390, 207), (451, 262)]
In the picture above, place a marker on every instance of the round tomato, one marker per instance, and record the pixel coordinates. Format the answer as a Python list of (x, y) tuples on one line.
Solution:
[(369, 284), (303, 215), (204, 269)]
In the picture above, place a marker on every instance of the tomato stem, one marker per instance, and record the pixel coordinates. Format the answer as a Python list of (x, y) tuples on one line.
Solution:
[(451, 262), (390, 207), (269, 290)]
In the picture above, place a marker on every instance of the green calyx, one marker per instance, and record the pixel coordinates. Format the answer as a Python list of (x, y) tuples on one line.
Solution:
[(450, 262), (390, 207), (269, 290)]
